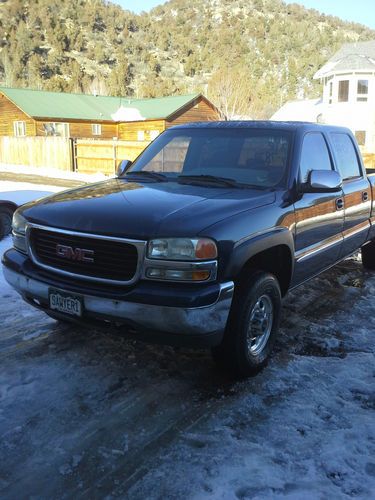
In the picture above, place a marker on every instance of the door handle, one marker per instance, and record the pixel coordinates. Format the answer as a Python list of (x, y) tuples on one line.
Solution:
[(339, 204), (365, 196)]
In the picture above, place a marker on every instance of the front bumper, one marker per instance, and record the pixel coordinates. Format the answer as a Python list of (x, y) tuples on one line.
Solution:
[(199, 325)]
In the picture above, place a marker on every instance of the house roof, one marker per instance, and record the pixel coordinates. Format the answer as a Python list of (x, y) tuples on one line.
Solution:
[(358, 56), (303, 110), (63, 106)]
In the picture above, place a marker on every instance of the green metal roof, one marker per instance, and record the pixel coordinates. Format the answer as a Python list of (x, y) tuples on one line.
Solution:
[(63, 106)]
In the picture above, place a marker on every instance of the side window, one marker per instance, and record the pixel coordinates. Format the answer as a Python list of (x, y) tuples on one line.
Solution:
[(314, 156), (19, 129), (343, 91), (360, 135), (362, 90), (347, 161), (96, 129)]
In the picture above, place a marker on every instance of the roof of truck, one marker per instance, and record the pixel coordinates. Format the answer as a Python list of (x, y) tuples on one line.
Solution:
[(266, 124)]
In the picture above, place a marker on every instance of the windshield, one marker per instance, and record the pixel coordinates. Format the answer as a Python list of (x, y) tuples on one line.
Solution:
[(246, 156)]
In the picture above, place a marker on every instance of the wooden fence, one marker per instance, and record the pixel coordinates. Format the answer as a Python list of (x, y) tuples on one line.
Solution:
[(93, 155), (52, 152), (369, 160), (75, 155)]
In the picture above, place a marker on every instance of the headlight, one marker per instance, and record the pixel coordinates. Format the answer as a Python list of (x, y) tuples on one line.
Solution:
[(182, 249), (18, 223), (19, 229)]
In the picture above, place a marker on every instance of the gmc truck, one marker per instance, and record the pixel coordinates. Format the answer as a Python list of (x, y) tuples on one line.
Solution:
[(198, 240)]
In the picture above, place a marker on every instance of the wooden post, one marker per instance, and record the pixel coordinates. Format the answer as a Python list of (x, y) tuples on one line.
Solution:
[(114, 157), (75, 156), (71, 155)]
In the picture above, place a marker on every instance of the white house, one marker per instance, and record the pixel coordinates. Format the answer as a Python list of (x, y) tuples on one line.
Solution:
[(348, 94), (304, 111)]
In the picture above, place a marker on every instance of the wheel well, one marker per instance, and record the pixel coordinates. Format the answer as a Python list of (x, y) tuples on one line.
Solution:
[(276, 260)]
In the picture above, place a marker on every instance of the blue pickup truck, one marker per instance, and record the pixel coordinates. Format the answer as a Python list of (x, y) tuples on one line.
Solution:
[(198, 240)]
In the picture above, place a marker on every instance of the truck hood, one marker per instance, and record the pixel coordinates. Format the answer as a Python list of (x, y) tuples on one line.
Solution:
[(143, 210)]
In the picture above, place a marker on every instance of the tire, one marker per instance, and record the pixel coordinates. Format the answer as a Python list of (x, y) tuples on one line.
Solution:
[(257, 298), (6, 215), (368, 255)]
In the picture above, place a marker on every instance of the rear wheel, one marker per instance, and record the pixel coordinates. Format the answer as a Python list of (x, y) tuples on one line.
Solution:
[(252, 325), (6, 215), (368, 255)]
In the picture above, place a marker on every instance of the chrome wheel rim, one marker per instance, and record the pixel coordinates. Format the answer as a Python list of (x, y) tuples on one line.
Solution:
[(260, 325)]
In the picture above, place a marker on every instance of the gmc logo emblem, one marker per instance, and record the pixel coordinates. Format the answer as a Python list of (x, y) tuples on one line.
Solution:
[(78, 254)]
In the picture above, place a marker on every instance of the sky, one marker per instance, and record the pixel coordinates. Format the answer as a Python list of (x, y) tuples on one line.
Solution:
[(361, 11)]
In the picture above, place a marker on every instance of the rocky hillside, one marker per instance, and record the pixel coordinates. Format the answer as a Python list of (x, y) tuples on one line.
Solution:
[(254, 54)]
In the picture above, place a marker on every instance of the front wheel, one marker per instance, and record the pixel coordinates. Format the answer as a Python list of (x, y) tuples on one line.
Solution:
[(252, 325)]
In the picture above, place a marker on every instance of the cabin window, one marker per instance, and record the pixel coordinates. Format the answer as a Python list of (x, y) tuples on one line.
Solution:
[(346, 156), (314, 155), (153, 134), (56, 129), (141, 135), (96, 129), (360, 135), (362, 90), (19, 129), (343, 91)]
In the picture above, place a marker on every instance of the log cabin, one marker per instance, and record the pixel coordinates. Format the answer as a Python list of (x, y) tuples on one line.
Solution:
[(26, 112)]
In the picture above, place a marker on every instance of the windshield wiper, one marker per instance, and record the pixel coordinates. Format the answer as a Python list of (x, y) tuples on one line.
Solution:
[(148, 174), (209, 178)]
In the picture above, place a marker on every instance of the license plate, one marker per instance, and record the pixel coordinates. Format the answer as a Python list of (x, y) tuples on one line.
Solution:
[(65, 302)]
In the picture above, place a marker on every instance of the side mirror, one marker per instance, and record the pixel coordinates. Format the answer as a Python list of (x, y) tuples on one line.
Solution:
[(122, 167), (323, 181)]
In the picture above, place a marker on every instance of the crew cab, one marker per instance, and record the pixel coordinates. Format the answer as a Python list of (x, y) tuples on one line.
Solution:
[(198, 240)]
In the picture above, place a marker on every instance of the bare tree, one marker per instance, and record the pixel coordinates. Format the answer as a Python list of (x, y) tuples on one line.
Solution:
[(230, 91)]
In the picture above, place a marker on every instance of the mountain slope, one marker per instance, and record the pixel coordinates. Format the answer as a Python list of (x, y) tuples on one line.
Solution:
[(181, 46)]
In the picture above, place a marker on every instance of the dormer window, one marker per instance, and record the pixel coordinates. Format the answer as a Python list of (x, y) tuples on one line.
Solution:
[(343, 91), (362, 90)]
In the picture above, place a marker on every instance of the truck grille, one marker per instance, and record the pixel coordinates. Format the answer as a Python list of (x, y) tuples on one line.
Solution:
[(85, 256)]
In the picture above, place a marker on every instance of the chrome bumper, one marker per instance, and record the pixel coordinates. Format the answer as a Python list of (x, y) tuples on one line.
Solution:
[(174, 320)]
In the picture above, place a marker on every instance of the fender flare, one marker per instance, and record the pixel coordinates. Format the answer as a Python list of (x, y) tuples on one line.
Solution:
[(248, 247)]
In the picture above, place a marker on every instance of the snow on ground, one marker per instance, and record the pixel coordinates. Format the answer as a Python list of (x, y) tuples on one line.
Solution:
[(305, 427), (51, 172), (23, 192), (88, 413)]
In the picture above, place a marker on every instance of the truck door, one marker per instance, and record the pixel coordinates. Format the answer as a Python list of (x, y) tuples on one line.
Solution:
[(357, 192), (319, 216)]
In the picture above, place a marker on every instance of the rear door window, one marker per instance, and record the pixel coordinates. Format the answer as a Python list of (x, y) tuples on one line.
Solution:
[(346, 156)]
